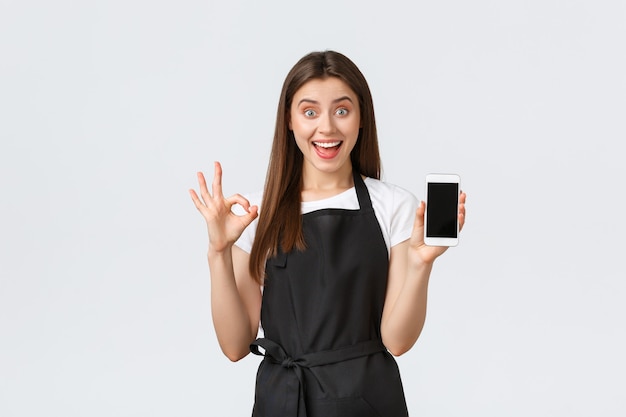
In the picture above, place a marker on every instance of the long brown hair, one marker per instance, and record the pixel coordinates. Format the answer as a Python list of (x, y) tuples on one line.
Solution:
[(280, 219)]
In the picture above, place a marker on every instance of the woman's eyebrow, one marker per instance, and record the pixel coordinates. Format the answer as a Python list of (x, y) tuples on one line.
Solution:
[(342, 99), (337, 100)]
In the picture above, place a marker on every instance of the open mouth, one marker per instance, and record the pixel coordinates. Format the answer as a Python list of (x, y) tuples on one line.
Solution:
[(327, 150), (328, 145)]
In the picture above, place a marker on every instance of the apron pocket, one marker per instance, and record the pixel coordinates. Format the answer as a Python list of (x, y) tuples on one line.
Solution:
[(342, 407)]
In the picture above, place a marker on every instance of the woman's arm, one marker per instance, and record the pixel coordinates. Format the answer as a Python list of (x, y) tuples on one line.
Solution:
[(235, 296), (235, 302), (410, 265)]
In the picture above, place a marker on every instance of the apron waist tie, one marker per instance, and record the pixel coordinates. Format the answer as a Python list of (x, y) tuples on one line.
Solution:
[(276, 354)]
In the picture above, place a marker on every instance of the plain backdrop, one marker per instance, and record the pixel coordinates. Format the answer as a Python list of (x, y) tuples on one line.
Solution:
[(109, 108)]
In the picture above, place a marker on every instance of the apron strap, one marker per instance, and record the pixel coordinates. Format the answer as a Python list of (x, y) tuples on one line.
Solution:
[(365, 202)]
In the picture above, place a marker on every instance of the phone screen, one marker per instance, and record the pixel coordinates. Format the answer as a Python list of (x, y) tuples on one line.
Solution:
[(442, 207)]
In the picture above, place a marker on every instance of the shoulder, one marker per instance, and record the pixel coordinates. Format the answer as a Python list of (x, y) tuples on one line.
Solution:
[(387, 193)]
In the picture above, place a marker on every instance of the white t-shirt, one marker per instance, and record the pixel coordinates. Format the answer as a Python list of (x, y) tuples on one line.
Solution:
[(394, 208)]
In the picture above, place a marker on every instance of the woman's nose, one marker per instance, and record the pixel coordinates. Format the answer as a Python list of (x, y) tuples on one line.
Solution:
[(326, 124)]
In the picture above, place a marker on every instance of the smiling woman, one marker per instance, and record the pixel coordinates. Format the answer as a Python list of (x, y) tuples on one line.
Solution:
[(333, 267), (325, 121)]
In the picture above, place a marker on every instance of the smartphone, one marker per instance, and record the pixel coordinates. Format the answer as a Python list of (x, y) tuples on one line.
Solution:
[(441, 220)]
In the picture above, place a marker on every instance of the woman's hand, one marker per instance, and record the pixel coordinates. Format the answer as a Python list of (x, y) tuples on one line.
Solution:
[(418, 250), (223, 225)]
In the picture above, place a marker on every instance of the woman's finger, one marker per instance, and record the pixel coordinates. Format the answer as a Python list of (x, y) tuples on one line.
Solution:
[(204, 191), (251, 214), (461, 220), (238, 199), (419, 214), (217, 181), (418, 223), (196, 200), (462, 200)]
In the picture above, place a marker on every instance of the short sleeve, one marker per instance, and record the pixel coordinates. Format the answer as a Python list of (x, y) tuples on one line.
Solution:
[(395, 209), (402, 215)]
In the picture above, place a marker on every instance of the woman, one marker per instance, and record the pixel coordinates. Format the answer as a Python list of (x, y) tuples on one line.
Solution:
[(335, 268)]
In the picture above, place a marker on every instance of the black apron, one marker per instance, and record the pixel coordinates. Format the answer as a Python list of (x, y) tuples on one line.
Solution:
[(321, 314)]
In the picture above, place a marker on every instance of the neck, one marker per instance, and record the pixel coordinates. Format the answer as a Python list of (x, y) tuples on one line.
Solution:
[(318, 185)]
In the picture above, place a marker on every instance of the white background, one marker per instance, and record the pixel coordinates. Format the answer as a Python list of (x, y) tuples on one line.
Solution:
[(108, 109)]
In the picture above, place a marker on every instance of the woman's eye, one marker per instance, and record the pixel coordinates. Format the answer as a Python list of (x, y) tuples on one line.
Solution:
[(342, 112), (309, 113)]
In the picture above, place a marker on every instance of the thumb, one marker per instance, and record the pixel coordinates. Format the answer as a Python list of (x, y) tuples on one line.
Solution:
[(419, 216), (250, 215), (417, 235)]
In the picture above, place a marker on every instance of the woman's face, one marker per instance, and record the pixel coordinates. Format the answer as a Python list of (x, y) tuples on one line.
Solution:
[(325, 119)]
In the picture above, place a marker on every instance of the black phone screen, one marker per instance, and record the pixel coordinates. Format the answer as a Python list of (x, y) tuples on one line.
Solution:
[(442, 207)]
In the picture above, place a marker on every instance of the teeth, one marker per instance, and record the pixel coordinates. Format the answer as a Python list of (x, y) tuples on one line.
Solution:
[(326, 144)]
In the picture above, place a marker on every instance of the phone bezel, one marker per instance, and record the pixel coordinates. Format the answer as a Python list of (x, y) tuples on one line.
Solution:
[(441, 241)]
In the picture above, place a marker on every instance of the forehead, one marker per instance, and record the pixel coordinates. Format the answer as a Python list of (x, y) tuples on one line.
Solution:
[(327, 88)]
